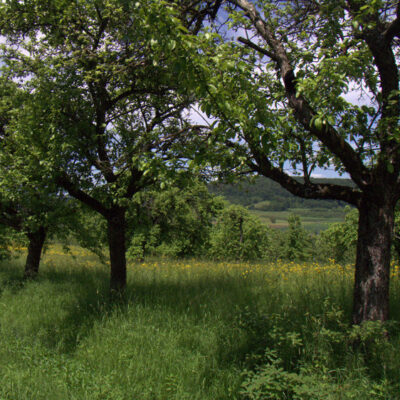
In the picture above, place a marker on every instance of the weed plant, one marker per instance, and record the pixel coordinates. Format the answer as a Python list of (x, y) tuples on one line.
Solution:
[(191, 330)]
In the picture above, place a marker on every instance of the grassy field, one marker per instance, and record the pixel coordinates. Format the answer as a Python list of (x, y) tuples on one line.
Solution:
[(313, 220), (190, 330)]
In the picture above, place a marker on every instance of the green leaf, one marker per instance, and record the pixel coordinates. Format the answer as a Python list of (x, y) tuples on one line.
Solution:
[(318, 123)]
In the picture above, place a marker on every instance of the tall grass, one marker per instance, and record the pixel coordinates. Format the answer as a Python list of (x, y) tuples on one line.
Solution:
[(186, 330)]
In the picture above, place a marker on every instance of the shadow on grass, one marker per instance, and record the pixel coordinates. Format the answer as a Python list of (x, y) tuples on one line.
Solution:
[(11, 276), (85, 301), (216, 299)]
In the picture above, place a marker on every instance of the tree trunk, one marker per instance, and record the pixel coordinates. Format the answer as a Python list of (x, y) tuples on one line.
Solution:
[(36, 242), (116, 243), (372, 274)]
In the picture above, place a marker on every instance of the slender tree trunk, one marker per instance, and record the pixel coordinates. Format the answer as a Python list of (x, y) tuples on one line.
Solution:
[(36, 242), (116, 243), (372, 274)]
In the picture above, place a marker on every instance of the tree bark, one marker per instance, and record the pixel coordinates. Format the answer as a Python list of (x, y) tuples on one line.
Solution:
[(372, 272), (35, 247), (116, 242)]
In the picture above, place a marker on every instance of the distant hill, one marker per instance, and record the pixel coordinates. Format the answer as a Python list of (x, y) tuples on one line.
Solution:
[(267, 195), (272, 204)]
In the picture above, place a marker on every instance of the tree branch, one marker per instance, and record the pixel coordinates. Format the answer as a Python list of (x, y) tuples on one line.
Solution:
[(66, 183), (303, 112), (258, 48), (307, 190), (135, 185), (394, 27)]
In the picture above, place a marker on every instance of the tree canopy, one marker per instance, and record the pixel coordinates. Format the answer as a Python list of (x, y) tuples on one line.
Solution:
[(297, 85), (289, 86), (106, 90)]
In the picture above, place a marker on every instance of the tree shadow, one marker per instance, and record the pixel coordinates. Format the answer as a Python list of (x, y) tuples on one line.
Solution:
[(92, 303), (89, 302), (11, 277)]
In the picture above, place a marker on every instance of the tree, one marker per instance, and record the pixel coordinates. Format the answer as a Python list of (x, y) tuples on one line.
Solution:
[(30, 202), (297, 244), (339, 241), (108, 84), (282, 96), (238, 235), (174, 222)]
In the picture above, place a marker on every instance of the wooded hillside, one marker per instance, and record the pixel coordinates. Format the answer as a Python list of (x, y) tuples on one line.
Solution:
[(264, 194)]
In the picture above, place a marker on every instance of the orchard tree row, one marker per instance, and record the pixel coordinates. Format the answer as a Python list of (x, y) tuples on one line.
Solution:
[(98, 98)]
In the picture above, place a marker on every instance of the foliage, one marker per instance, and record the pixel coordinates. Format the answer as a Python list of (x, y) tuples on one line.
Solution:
[(181, 222), (8, 239), (29, 198), (297, 242), (334, 348), (173, 222), (87, 229), (285, 95), (104, 91), (102, 108), (281, 95), (339, 241), (237, 235)]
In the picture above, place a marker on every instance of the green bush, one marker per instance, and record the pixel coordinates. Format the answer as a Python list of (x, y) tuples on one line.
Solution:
[(297, 241), (237, 235), (339, 241), (325, 358), (175, 222)]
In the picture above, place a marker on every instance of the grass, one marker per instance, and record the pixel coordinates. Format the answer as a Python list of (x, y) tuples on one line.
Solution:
[(312, 220), (187, 330)]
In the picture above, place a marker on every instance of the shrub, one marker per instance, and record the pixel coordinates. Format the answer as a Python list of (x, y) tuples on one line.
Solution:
[(339, 241), (297, 242), (175, 222), (325, 359), (237, 235)]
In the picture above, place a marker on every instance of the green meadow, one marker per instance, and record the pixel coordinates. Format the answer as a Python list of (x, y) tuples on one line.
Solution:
[(191, 330), (313, 220)]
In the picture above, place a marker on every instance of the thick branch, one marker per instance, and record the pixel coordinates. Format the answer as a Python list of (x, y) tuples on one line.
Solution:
[(101, 99), (195, 15), (392, 30), (307, 190), (302, 109), (66, 183), (134, 184), (394, 27)]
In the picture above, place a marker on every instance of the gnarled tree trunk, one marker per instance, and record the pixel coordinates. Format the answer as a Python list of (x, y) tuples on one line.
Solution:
[(35, 247), (372, 274), (116, 242)]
